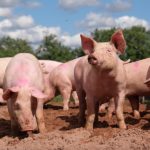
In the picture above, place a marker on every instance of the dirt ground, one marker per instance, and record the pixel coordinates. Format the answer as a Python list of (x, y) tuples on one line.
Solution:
[(64, 133)]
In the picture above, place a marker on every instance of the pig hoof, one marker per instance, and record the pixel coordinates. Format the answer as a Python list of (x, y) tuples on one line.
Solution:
[(89, 127), (122, 126), (136, 114), (109, 115), (66, 108), (43, 131)]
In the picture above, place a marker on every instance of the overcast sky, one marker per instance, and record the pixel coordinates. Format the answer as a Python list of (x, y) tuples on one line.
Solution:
[(33, 19)]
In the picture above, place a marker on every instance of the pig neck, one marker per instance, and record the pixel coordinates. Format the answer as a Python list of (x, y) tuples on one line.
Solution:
[(105, 73), (116, 75)]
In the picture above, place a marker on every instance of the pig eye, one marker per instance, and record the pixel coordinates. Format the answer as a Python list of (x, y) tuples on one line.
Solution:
[(108, 50)]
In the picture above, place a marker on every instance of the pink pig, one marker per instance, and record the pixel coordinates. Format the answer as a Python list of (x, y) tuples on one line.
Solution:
[(61, 79), (47, 66), (3, 64), (137, 84), (23, 90), (137, 74), (101, 76)]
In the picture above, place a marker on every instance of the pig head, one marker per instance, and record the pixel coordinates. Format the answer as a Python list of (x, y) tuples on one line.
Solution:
[(22, 103)]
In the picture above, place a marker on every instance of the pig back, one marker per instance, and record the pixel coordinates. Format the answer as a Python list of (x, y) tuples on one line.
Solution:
[(24, 69)]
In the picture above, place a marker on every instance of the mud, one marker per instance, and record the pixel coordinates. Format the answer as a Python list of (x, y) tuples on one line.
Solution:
[(63, 132)]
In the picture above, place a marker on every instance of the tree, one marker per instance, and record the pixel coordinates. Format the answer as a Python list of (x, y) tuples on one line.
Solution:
[(137, 39), (54, 50), (138, 43), (9, 47)]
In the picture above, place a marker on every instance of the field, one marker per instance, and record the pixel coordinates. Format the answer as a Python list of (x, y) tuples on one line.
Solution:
[(63, 132)]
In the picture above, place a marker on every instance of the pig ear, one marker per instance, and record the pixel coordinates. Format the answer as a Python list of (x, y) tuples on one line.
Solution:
[(37, 93), (118, 40), (87, 44), (7, 93)]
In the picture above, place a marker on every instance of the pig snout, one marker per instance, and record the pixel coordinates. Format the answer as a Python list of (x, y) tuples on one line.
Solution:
[(92, 60), (28, 125)]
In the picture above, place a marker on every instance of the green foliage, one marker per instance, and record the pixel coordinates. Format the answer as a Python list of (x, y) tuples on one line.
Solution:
[(78, 52), (55, 50), (138, 43), (9, 47), (137, 39), (102, 35), (57, 98)]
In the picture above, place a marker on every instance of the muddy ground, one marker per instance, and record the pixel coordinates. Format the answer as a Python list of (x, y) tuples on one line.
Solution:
[(64, 133)]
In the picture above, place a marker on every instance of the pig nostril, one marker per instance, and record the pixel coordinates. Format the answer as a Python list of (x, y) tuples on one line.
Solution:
[(27, 122), (92, 60)]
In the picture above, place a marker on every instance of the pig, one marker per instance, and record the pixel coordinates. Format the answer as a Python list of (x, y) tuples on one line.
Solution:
[(62, 79), (23, 90), (3, 64), (137, 84), (100, 76), (137, 74), (47, 67)]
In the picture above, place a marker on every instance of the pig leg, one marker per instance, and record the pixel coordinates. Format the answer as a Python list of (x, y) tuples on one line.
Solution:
[(75, 97), (51, 92), (14, 125), (134, 101), (111, 108), (119, 101), (82, 107), (90, 113), (66, 97), (40, 116), (96, 112)]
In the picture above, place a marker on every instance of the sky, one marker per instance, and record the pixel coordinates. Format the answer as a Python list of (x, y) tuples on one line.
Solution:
[(67, 19)]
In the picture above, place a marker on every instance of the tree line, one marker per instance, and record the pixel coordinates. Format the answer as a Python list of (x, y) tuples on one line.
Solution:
[(137, 39)]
